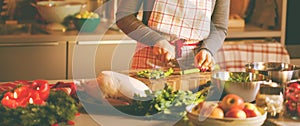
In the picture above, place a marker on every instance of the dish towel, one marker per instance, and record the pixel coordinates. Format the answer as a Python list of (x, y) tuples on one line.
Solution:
[(234, 56)]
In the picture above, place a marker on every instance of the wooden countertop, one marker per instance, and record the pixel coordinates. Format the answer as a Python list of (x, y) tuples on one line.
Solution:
[(106, 31), (98, 119), (98, 115), (39, 34)]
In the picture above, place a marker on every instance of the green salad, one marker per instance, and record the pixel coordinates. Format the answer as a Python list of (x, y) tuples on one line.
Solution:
[(168, 103), (239, 77)]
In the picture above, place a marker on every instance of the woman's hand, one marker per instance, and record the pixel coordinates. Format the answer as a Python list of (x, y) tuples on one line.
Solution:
[(164, 51), (203, 60)]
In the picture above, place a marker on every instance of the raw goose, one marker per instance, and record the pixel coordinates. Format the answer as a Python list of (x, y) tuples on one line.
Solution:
[(116, 85)]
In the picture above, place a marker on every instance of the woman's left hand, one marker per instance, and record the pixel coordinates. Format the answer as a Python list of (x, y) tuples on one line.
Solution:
[(203, 60)]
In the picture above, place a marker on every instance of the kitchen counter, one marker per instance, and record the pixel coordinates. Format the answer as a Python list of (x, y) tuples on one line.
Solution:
[(96, 114), (106, 31), (85, 119), (109, 120), (38, 33), (93, 114)]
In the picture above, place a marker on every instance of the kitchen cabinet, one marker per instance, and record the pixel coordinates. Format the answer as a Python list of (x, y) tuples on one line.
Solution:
[(253, 31), (86, 59), (32, 60)]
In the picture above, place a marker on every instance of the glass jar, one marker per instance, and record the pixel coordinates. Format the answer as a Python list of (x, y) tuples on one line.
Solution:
[(270, 97), (292, 100)]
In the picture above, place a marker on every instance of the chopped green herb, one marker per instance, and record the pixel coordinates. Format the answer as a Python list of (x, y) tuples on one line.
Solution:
[(154, 74)]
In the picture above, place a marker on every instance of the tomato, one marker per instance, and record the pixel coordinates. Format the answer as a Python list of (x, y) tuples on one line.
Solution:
[(42, 88), (23, 94), (294, 86), (9, 101), (71, 122), (23, 91), (36, 99)]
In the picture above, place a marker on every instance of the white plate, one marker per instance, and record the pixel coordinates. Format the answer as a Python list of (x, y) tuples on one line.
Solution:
[(253, 121)]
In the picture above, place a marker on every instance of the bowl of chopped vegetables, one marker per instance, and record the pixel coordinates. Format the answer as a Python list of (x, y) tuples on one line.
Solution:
[(243, 84)]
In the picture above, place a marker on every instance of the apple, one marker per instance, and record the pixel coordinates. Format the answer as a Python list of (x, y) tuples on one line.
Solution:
[(251, 112), (196, 110), (236, 113), (250, 106), (232, 101), (208, 109), (217, 113)]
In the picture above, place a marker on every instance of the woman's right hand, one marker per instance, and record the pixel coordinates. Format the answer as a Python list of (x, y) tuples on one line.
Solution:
[(164, 51)]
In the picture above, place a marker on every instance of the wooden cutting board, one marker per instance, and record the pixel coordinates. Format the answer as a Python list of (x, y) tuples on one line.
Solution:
[(183, 82)]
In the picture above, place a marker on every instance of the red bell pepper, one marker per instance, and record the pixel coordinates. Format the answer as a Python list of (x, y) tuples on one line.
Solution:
[(23, 94), (70, 85), (42, 88), (9, 100)]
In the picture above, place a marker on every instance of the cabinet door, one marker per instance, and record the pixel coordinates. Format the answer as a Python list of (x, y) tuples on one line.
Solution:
[(28, 61), (88, 59)]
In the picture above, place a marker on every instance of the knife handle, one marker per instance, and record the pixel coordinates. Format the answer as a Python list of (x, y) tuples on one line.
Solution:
[(189, 71)]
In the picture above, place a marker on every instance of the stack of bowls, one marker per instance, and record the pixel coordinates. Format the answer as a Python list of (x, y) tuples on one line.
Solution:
[(57, 11), (276, 71)]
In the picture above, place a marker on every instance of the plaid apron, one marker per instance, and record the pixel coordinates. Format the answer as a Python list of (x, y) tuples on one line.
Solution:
[(188, 20)]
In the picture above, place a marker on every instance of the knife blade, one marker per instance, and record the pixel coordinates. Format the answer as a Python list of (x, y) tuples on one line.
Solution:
[(177, 70), (189, 71)]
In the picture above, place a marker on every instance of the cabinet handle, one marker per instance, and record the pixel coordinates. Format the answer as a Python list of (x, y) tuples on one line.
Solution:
[(30, 44), (89, 43)]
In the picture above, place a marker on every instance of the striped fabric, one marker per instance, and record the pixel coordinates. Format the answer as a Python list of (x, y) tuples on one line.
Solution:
[(234, 56), (145, 59), (186, 19)]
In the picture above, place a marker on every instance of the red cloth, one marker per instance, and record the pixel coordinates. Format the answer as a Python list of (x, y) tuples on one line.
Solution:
[(59, 85), (234, 56), (179, 44)]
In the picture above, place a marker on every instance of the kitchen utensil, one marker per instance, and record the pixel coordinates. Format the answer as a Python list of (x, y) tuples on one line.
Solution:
[(55, 12), (276, 71), (173, 64), (170, 64), (243, 84)]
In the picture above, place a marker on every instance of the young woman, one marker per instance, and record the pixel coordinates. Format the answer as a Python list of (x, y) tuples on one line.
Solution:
[(186, 31)]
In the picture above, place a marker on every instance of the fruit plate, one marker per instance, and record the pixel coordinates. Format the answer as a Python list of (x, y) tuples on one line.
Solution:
[(207, 121)]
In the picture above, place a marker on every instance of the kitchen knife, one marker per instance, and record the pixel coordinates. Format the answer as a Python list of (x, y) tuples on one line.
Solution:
[(177, 70)]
